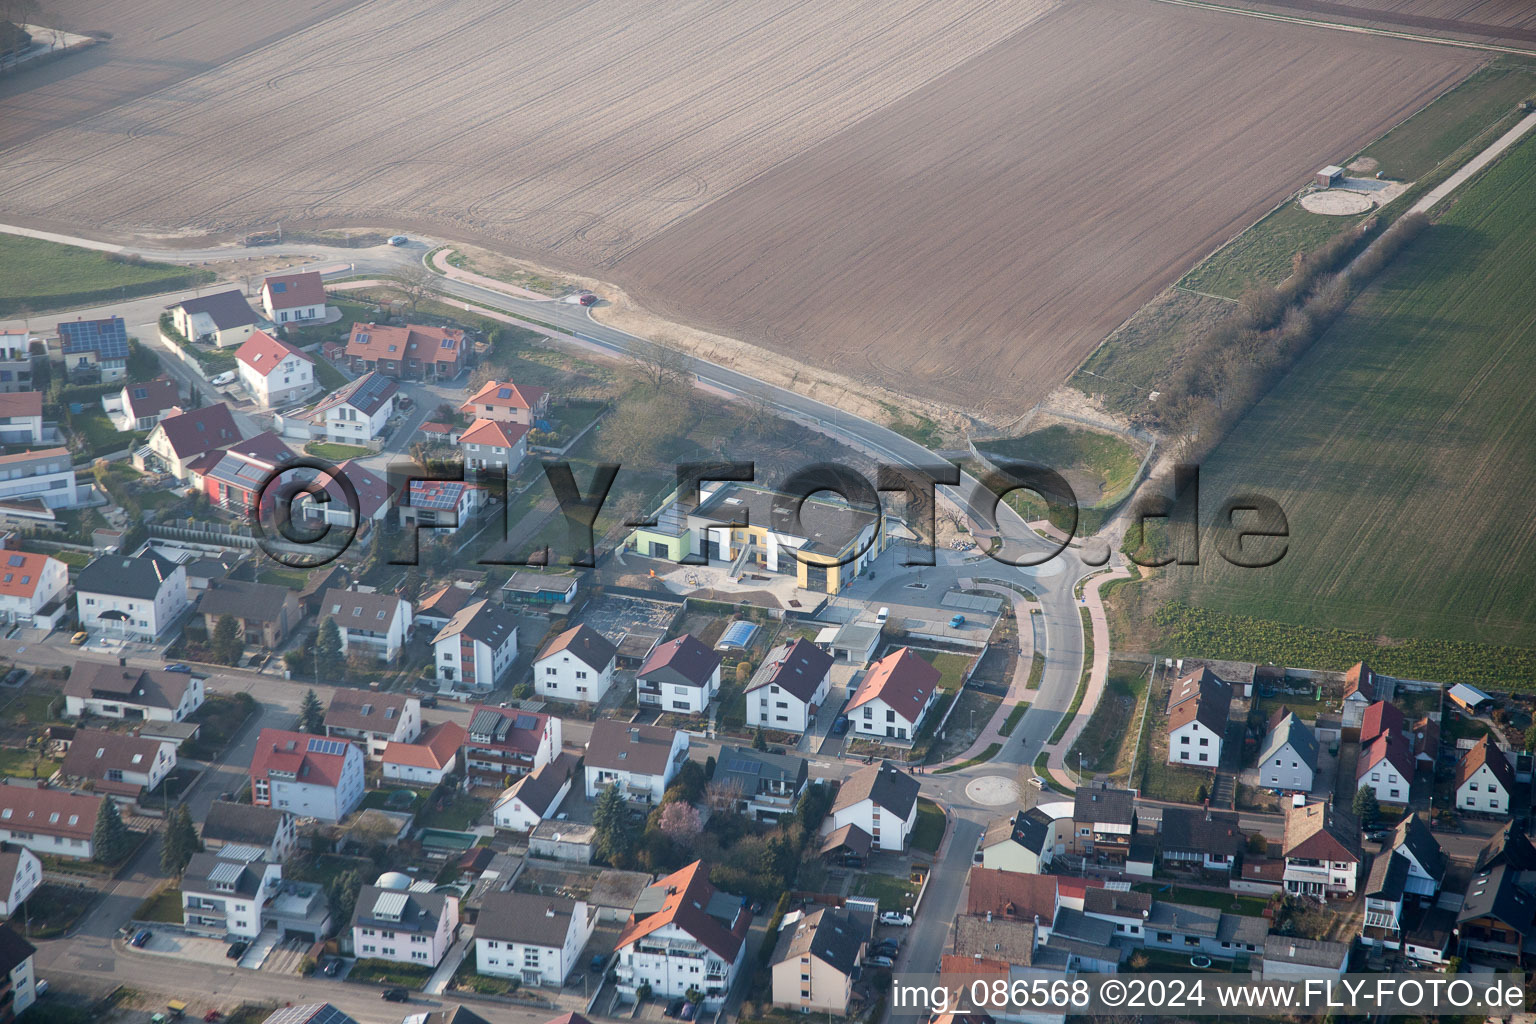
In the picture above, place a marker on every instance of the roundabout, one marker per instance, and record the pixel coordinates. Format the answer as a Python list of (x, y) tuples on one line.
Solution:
[(992, 791)]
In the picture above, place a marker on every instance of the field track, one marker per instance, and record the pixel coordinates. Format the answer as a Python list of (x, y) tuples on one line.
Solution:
[(1506, 22), (953, 198)]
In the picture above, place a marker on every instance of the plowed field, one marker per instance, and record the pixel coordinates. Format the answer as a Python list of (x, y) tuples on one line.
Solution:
[(953, 199)]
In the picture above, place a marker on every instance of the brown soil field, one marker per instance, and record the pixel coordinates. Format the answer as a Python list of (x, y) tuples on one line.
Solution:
[(1504, 22), (950, 199)]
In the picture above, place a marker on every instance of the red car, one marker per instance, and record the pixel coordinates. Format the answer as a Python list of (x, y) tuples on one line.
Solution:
[(588, 299)]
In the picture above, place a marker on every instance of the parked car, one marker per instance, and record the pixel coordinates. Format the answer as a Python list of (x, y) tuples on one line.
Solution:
[(179, 667), (141, 938), (596, 963), (886, 947), (690, 1010), (79, 638), (403, 402), (41, 988), (881, 616), (956, 621), (396, 995), (896, 919), (237, 950), (587, 299), (674, 1007), (1378, 835), (332, 968), (224, 379), (879, 961), (429, 702), (840, 725), (1037, 782), (399, 240), (16, 676)]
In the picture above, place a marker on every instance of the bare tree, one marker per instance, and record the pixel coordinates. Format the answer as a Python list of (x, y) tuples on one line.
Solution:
[(662, 368), (723, 797), (415, 283)]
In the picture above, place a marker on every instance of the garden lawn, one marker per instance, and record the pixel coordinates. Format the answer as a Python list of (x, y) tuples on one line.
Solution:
[(928, 831), (387, 972), (164, 906), (1106, 742), (1263, 253), (336, 452), (1399, 448), (951, 667), (53, 909), (1248, 906), (893, 893)]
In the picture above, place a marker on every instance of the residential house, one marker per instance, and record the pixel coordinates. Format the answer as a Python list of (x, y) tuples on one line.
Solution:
[(1484, 780), (270, 829), (18, 977), (816, 962), (314, 1013), (117, 764), (769, 784), (1509, 846), (221, 319), (312, 776), (476, 648), (237, 477), (15, 360), (45, 476), (437, 607), (1288, 760), (274, 372), (141, 406), (179, 439), (1013, 895), (21, 417), (1025, 842), (1497, 918), (1292, 958), (1197, 719), (293, 298), (1127, 912), (223, 894), (1189, 930), (1005, 940), (365, 498), (1106, 821), (20, 875), (881, 799), (94, 348), (682, 935), (265, 612), (789, 687), (535, 796), (1200, 838), (112, 690), (373, 720), (1405, 877), (576, 666), (1362, 688), (429, 759), (640, 759), (549, 590), (370, 622), (411, 352), (441, 504), (1380, 719), (494, 444), (505, 743), (32, 588), (535, 939), (52, 821), (681, 675), (894, 697), (406, 926), (1424, 737), (1322, 851), (1386, 765), (506, 402), (135, 597), (357, 412), (1385, 892)]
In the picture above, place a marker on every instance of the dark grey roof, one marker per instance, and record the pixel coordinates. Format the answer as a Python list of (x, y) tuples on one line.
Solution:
[(887, 785), (1388, 877), (1183, 918), (14, 951), (797, 668), (1311, 952), (998, 939), (1117, 903), (1241, 928), (526, 917), (1101, 804), (367, 394), (585, 643), (1415, 837), (1031, 829), (229, 822), (419, 911), (751, 767), (226, 309), (1200, 829), (205, 869), (827, 524), (145, 687), (257, 602), (829, 935), (491, 624), (1075, 924), (1495, 894), (126, 576), (1298, 734), (683, 660), (1511, 847)]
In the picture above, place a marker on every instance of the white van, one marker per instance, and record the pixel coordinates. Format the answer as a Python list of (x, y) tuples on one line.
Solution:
[(881, 616)]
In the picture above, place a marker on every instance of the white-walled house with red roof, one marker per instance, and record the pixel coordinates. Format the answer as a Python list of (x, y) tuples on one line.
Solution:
[(441, 504), (274, 372), (683, 934), (29, 583), (293, 298), (309, 776), (895, 695), (507, 402), (492, 444)]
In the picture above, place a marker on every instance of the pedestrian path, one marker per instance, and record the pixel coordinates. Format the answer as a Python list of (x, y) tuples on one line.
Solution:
[(1098, 675)]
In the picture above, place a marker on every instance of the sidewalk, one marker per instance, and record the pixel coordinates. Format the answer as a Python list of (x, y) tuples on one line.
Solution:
[(442, 266), (1098, 674), (438, 983)]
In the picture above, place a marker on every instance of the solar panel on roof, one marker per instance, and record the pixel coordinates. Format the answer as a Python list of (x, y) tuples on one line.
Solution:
[(319, 746), (504, 393), (279, 286), (17, 560), (390, 905), (226, 873), (525, 722)]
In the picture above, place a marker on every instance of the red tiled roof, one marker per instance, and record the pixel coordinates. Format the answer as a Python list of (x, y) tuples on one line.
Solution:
[(52, 812), (1012, 894), (494, 433), (412, 341), (903, 680), (284, 751), (160, 394), (1360, 679), (22, 403), (264, 353), (1380, 717), (506, 395), (1484, 752), (20, 572), (1389, 747), (686, 893), (200, 430), (301, 289), (437, 746)]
